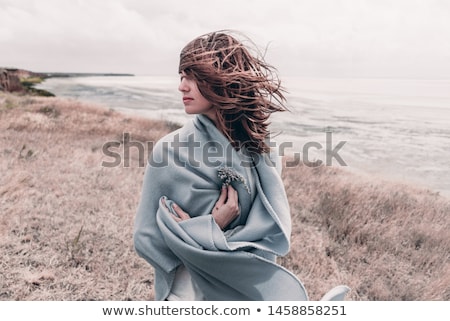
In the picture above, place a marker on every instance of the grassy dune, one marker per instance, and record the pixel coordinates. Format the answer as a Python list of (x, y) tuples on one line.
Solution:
[(66, 221)]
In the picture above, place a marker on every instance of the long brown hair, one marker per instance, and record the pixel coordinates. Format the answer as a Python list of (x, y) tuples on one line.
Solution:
[(242, 87)]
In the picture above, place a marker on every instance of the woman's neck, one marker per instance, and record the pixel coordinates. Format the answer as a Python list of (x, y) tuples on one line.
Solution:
[(212, 116)]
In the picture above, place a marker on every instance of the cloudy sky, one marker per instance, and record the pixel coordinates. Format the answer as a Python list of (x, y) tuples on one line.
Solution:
[(312, 38)]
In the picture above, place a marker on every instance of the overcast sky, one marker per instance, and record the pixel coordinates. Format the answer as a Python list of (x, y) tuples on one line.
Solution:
[(311, 38)]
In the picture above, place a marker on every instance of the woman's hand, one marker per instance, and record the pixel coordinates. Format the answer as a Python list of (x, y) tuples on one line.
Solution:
[(182, 215), (225, 210), (227, 207)]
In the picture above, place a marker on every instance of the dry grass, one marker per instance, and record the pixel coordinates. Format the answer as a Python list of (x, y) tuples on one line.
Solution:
[(387, 241), (66, 222)]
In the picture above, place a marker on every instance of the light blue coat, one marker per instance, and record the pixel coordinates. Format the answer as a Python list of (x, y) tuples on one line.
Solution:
[(236, 264)]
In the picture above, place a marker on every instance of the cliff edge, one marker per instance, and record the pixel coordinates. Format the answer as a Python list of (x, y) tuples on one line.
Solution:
[(21, 81)]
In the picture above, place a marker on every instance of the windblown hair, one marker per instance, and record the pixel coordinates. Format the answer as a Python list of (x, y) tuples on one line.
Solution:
[(243, 88)]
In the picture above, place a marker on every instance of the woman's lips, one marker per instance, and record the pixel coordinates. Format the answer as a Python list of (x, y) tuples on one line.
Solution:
[(187, 99)]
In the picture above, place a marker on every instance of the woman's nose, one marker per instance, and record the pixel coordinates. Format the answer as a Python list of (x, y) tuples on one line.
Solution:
[(184, 86)]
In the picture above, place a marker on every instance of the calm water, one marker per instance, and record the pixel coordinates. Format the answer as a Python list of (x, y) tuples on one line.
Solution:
[(399, 129)]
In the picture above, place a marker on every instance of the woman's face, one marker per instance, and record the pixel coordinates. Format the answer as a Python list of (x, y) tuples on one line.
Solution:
[(193, 100)]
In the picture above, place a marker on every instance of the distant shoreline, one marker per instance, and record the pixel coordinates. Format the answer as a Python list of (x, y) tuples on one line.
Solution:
[(16, 80), (83, 74)]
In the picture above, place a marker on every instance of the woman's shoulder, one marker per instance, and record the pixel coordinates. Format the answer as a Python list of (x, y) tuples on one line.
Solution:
[(272, 159), (183, 131), (169, 140)]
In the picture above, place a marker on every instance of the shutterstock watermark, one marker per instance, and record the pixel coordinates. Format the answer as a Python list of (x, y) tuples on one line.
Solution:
[(194, 153)]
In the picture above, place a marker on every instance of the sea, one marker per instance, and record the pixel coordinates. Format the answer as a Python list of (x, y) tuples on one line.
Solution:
[(397, 129)]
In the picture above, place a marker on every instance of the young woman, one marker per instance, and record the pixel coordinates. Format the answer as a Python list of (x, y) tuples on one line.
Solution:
[(214, 215)]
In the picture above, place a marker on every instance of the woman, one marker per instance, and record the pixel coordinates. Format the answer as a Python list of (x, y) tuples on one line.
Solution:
[(214, 214)]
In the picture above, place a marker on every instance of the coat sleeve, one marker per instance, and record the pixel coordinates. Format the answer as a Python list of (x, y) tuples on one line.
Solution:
[(148, 241)]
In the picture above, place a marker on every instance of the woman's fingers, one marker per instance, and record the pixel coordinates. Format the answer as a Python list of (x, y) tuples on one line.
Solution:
[(232, 200), (222, 197), (232, 193), (182, 215), (228, 211)]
